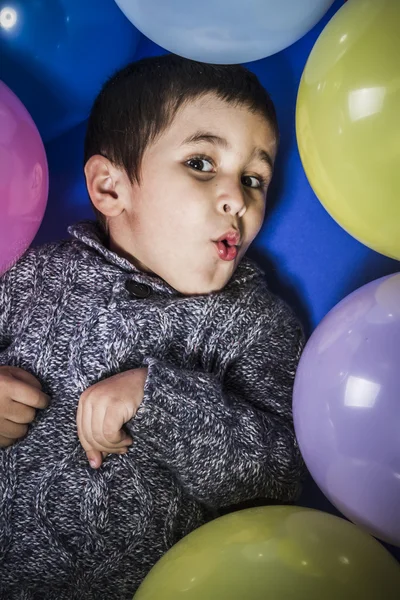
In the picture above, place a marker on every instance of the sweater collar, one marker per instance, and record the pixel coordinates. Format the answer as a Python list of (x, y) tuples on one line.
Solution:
[(90, 233)]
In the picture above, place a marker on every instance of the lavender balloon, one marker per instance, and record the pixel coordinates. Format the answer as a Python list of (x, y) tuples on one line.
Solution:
[(347, 407)]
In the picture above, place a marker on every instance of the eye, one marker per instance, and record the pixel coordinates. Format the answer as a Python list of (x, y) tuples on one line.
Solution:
[(200, 163), (254, 182)]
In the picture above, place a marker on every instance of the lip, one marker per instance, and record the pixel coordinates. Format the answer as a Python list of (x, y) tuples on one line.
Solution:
[(226, 253), (228, 245), (232, 237)]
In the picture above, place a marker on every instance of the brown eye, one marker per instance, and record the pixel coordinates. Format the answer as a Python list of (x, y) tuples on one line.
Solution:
[(251, 181), (200, 164)]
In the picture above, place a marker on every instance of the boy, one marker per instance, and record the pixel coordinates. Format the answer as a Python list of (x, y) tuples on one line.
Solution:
[(146, 345)]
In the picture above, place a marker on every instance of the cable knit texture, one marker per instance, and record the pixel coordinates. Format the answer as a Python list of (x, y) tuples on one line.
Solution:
[(214, 429)]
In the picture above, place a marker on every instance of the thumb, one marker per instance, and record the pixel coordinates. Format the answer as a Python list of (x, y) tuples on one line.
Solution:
[(95, 458)]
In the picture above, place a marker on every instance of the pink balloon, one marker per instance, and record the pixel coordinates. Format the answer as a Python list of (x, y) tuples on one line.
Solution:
[(24, 179)]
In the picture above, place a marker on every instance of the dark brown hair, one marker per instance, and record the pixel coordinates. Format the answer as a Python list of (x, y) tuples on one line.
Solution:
[(141, 100)]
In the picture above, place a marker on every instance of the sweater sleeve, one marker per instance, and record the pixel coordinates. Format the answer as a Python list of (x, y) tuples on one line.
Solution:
[(231, 441)]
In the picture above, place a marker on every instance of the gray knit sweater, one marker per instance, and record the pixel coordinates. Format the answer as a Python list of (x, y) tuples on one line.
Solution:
[(214, 429)]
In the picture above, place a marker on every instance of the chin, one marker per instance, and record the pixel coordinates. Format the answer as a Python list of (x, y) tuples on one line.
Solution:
[(199, 287)]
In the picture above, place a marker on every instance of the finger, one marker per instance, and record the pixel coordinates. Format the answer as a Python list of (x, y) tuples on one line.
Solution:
[(83, 424), (97, 426), (106, 427), (119, 451), (20, 413), (24, 376), (95, 458), (85, 432), (5, 442), (113, 432), (22, 392), (12, 430)]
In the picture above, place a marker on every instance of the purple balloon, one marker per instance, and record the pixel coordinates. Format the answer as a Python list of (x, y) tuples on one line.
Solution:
[(23, 178), (347, 407)]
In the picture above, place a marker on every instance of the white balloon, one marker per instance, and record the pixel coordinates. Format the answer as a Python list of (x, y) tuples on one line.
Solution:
[(224, 31)]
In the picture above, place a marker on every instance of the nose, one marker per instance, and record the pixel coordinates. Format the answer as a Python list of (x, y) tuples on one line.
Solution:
[(231, 200)]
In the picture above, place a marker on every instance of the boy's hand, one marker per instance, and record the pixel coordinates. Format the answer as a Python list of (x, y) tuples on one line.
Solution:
[(20, 395), (104, 408)]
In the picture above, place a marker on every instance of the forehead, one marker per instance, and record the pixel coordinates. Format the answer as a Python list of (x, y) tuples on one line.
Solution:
[(236, 124)]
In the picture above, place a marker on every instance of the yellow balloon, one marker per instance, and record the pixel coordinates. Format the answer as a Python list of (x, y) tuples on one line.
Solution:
[(348, 121), (275, 553)]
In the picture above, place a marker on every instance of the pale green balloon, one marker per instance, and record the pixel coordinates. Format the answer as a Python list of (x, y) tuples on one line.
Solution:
[(275, 553), (348, 121)]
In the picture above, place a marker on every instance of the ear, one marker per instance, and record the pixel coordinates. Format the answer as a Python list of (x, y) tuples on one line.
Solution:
[(108, 186)]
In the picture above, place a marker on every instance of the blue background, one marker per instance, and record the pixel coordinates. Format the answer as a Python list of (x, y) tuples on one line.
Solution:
[(308, 258)]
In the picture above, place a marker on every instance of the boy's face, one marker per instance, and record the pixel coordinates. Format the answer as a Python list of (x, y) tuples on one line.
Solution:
[(201, 182)]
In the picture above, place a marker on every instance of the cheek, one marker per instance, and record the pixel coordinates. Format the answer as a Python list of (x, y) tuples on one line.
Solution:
[(255, 220)]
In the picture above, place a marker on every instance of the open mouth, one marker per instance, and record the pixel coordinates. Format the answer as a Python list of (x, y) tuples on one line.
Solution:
[(225, 250), (228, 244)]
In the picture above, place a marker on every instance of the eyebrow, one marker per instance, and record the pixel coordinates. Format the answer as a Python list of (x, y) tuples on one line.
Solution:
[(205, 136)]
